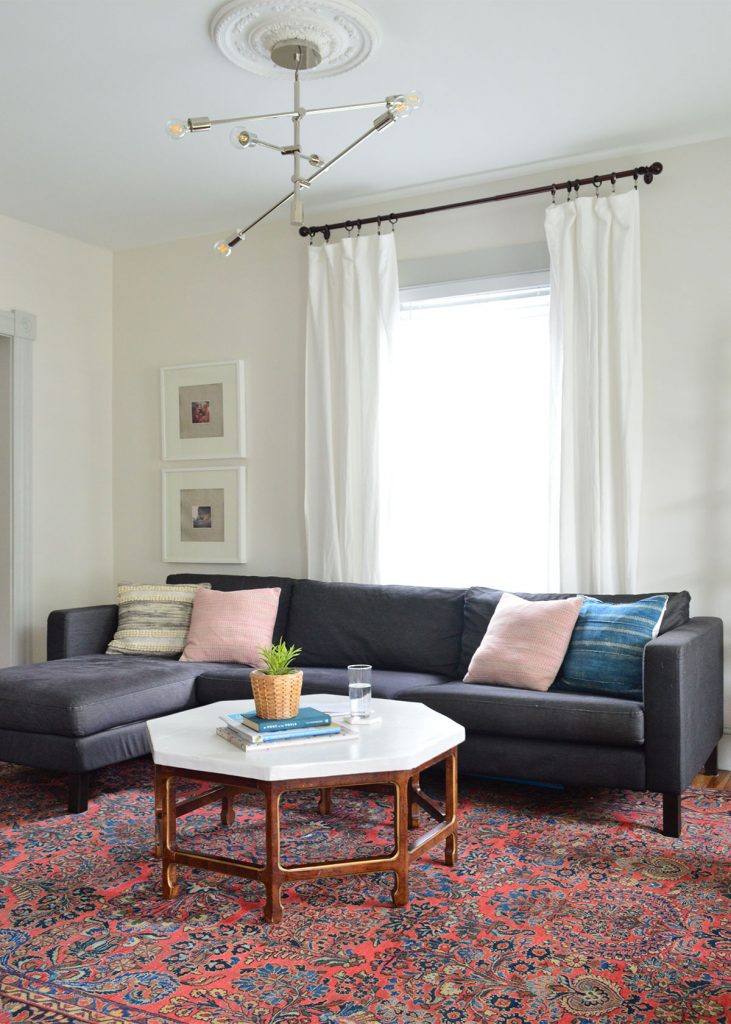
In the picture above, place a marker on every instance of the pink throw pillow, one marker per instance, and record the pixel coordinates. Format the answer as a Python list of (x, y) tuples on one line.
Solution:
[(231, 625), (525, 642)]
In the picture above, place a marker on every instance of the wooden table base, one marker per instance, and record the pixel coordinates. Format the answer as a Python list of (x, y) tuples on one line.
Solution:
[(408, 797)]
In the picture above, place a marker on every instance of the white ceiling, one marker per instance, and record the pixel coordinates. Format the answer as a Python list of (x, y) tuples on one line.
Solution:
[(86, 87)]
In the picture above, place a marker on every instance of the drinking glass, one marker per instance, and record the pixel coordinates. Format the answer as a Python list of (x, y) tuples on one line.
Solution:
[(359, 690)]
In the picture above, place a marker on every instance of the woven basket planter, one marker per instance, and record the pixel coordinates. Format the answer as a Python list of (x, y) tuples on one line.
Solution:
[(276, 696)]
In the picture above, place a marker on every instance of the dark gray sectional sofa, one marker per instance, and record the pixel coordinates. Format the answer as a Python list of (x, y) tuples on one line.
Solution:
[(83, 709)]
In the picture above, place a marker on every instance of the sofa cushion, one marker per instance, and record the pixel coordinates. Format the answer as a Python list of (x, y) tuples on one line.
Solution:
[(409, 629), (525, 642), (572, 717), (231, 682), (404, 629), (220, 581), (84, 695), (232, 626), (153, 618), (606, 652), (481, 602)]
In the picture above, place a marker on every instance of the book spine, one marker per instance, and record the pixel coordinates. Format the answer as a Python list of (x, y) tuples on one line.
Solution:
[(281, 725), (291, 734), (228, 734)]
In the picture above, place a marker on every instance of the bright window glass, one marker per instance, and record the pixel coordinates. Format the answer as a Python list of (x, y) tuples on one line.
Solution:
[(466, 437)]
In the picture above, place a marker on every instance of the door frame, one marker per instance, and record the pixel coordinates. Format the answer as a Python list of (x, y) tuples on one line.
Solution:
[(18, 329)]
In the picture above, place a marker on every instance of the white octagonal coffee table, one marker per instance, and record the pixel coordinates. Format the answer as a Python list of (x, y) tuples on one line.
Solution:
[(390, 755)]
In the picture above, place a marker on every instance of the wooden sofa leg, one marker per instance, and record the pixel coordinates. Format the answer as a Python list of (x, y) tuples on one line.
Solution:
[(79, 792), (671, 815), (711, 765)]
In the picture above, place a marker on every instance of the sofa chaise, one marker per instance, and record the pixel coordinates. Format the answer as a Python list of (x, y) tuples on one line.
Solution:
[(84, 709)]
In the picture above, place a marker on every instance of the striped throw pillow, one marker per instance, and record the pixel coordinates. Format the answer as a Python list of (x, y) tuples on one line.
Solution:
[(153, 618), (232, 625), (606, 652)]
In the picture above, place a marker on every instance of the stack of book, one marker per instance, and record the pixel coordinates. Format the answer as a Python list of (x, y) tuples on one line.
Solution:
[(250, 732)]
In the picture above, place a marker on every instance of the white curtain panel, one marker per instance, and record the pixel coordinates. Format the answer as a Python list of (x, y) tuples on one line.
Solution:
[(352, 311), (596, 407)]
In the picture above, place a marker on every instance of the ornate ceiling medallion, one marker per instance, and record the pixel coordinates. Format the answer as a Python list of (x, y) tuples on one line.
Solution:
[(246, 30)]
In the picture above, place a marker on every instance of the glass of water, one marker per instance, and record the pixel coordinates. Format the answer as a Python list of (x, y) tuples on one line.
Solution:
[(359, 690)]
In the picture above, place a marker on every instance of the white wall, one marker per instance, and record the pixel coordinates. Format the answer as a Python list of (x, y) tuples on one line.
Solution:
[(68, 286), (178, 303)]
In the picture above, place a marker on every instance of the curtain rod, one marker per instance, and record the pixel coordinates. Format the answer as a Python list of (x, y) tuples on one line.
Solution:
[(646, 173)]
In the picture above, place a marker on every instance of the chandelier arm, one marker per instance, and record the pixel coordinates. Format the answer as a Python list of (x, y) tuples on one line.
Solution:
[(254, 117), (270, 145), (347, 106), (308, 181), (348, 149)]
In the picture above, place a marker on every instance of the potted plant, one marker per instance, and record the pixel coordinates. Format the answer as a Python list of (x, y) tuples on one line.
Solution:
[(277, 687)]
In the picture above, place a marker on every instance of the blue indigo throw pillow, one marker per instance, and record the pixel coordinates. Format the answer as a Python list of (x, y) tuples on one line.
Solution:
[(606, 649)]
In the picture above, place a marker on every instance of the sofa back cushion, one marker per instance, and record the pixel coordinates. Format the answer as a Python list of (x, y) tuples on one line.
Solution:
[(481, 602), (223, 582), (416, 629)]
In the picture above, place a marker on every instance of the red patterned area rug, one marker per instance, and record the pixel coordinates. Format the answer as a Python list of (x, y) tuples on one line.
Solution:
[(562, 908)]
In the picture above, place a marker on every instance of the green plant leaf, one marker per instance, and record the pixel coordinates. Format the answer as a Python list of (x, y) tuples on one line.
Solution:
[(278, 658)]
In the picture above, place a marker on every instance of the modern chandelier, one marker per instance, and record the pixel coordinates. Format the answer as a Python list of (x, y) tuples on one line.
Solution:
[(274, 38)]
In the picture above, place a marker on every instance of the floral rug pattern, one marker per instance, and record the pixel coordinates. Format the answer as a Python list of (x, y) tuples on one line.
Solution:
[(563, 908)]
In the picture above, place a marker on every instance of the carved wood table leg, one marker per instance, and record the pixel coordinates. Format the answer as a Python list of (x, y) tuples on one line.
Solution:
[(170, 888), (228, 811), (402, 793), (326, 800), (272, 877), (413, 805), (158, 812), (450, 845)]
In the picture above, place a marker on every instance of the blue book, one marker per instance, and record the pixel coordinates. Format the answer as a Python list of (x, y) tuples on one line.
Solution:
[(305, 718)]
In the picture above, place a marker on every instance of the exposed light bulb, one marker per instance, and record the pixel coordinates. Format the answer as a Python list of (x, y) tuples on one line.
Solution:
[(222, 248), (241, 138), (403, 104), (177, 129)]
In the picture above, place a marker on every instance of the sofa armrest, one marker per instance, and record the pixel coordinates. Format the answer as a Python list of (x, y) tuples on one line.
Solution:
[(683, 684), (75, 631)]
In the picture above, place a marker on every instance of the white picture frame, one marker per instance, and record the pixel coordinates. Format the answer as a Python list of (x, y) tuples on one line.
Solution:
[(203, 411), (204, 515)]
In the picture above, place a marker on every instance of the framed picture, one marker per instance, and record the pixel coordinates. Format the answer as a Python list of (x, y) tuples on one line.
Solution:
[(203, 514), (203, 411)]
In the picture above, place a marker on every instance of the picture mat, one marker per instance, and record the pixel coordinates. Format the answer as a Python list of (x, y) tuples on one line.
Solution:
[(229, 376), (232, 482)]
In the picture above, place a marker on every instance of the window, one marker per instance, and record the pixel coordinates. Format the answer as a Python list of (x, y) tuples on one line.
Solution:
[(466, 436)]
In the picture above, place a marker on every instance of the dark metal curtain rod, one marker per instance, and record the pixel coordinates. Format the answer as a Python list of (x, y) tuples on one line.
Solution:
[(646, 173)]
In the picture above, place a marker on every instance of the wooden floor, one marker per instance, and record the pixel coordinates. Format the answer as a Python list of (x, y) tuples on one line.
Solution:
[(720, 781)]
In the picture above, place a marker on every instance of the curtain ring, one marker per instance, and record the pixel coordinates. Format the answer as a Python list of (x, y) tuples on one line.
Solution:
[(613, 180), (359, 224), (553, 193), (569, 186), (393, 221), (378, 220), (312, 236), (326, 233), (349, 225), (636, 176), (597, 184)]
